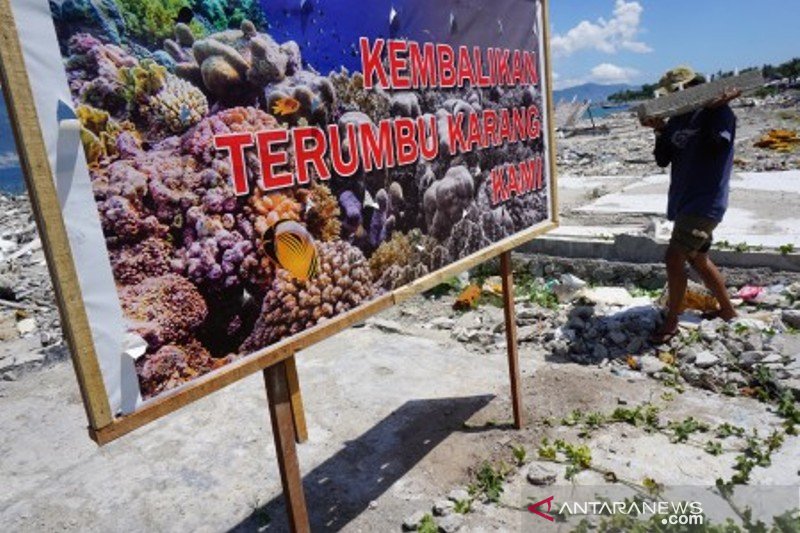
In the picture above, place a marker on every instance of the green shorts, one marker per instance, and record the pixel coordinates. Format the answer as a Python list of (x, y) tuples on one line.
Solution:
[(693, 234)]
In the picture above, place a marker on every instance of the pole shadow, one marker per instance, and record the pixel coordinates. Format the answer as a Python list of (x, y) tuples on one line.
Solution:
[(341, 488)]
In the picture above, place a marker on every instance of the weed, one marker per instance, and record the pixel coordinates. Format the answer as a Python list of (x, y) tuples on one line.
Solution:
[(463, 506), (727, 430), (520, 454), (489, 482), (546, 450), (428, 525), (683, 429), (713, 447), (595, 419), (572, 419), (653, 487), (667, 396), (645, 416)]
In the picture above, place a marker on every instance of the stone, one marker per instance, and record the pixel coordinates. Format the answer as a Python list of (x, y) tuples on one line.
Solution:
[(8, 327), (443, 322), (772, 359), (600, 352), (618, 337), (650, 364), (412, 522), (753, 342), (26, 326), (389, 326), (443, 507), (458, 495), (791, 317), (451, 523), (706, 359), (687, 355), (528, 333), (635, 345), (10, 376), (750, 358), (609, 296), (541, 474)]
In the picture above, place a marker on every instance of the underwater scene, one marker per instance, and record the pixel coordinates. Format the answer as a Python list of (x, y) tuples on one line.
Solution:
[(206, 274)]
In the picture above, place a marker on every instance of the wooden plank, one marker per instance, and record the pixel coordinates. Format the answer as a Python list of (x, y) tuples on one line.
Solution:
[(551, 129), (280, 414), (507, 276), (298, 412), (47, 212)]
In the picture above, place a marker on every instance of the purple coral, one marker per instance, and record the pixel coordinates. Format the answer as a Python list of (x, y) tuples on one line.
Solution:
[(133, 263), (172, 365)]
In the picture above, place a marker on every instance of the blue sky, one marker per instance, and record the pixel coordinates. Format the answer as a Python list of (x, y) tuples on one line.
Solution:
[(635, 41)]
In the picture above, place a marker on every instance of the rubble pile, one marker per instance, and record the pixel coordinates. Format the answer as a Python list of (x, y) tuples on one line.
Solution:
[(29, 324)]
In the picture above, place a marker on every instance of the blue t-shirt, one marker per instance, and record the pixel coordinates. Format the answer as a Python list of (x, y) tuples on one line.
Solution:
[(699, 145)]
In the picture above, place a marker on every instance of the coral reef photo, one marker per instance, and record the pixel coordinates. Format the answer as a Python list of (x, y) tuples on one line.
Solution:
[(206, 275)]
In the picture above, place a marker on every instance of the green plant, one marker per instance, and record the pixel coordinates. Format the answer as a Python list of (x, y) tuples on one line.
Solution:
[(652, 487), (578, 456), (463, 506), (727, 430), (645, 416), (428, 525), (572, 419), (683, 429), (786, 249), (713, 447), (546, 450), (667, 396), (489, 482), (520, 454)]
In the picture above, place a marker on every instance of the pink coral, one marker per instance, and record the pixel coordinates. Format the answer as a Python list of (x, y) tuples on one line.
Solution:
[(172, 365), (163, 310)]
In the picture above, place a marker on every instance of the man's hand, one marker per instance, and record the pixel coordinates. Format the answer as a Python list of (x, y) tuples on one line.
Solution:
[(656, 123), (724, 98)]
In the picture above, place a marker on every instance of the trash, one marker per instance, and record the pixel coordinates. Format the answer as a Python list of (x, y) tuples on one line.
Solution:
[(697, 298), (468, 299), (784, 141), (750, 293)]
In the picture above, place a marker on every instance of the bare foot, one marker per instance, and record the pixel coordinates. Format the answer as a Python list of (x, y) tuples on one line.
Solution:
[(667, 331)]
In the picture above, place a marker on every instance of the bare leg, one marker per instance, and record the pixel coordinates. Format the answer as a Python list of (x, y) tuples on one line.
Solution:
[(713, 280), (675, 259)]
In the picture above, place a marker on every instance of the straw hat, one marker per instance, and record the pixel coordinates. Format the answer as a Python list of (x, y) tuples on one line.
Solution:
[(676, 79)]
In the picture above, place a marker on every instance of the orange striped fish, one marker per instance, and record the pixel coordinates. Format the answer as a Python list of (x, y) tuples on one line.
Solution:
[(289, 245), (286, 106)]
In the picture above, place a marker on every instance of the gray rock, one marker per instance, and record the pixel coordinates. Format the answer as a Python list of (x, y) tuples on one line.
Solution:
[(772, 359), (443, 322), (458, 495), (618, 337), (443, 507), (541, 474), (412, 522), (600, 352), (687, 355), (635, 345), (791, 317), (753, 342), (706, 359), (748, 359), (650, 364), (389, 326), (451, 523)]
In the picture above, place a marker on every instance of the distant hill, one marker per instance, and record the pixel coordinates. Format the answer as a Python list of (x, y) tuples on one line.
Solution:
[(590, 91)]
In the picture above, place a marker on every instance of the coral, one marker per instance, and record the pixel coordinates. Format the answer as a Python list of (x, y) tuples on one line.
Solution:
[(445, 201), (314, 97), (100, 133), (178, 105), (100, 17), (232, 64), (163, 310), (353, 97), (199, 142), (351, 214), (173, 365), (406, 257), (405, 104), (218, 15), (321, 212), (134, 263), (150, 21), (93, 72), (343, 282)]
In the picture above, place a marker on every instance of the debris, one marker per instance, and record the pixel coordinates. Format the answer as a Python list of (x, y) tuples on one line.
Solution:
[(783, 141), (468, 299), (26, 326)]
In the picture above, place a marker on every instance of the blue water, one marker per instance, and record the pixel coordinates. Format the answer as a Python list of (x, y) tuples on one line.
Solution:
[(601, 112), (328, 32), (10, 174)]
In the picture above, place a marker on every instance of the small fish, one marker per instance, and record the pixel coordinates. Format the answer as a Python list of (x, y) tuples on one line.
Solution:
[(392, 15), (500, 29), (453, 23), (185, 115), (289, 245), (286, 106)]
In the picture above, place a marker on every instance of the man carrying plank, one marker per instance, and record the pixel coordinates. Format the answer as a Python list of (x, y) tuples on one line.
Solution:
[(699, 145)]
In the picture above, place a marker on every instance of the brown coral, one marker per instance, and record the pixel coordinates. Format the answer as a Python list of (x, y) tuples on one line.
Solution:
[(321, 210), (405, 258), (343, 282), (100, 133), (173, 365), (163, 310), (353, 97), (133, 264)]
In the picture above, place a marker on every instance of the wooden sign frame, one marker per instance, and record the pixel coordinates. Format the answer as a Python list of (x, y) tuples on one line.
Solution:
[(103, 425)]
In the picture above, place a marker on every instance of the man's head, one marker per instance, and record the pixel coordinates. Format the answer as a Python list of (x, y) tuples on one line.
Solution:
[(677, 79)]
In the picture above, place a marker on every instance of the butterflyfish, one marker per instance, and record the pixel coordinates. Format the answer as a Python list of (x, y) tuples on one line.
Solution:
[(289, 245)]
